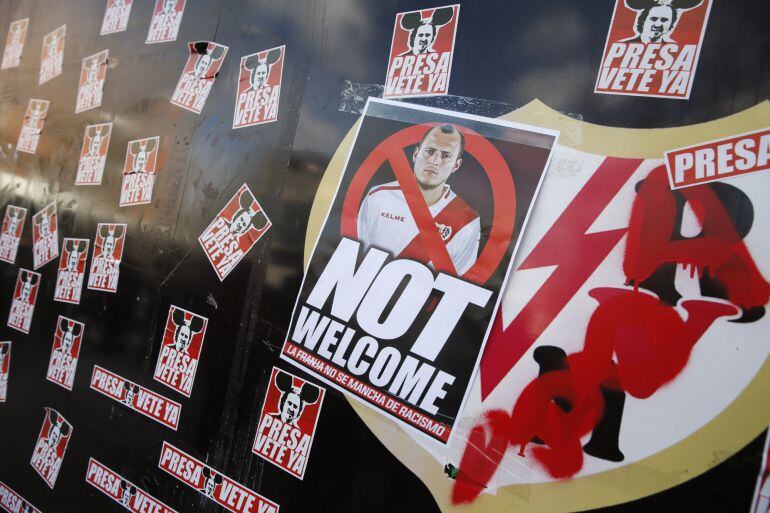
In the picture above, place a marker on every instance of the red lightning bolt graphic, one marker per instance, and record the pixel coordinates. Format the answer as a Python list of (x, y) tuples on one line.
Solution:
[(576, 255)]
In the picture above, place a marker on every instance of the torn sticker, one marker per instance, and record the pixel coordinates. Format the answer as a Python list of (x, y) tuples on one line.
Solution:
[(45, 236), (198, 75), (139, 171)]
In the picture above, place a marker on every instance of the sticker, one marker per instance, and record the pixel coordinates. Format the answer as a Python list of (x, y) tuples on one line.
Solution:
[(730, 157), (198, 75), (12, 502), (166, 19), (421, 52), (45, 236), (5, 369), (139, 171), (180, 350), (14, 44), (761, 501), (93, 154), (65, 352), (13, 223), (121, 490), (48, 455), (140, 399), (226, 492), (234, 231), (652, 48), (32, 126), (259, 88), (105, 261), (405, 279), (72, 270), (23, 302), (52, 54), (116, 16), (287, 422), (93, 71)]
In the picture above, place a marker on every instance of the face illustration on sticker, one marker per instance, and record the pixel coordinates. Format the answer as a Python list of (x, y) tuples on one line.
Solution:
[(36, 116), (28, 282), (44, 224), (293, 400), (4, 348), (657, 19), (260, 68), (129, 491), (424, 31), (206, 58), (75, 250), (246, 217), (185, 329), (92, 75), (210, 482), (130, 392), (109, 236), (96, 135), (70, 331), (139, 151), (15, 217), (169, 6), (58, 429)]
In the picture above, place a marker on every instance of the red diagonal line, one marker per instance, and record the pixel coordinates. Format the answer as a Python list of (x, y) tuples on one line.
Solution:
[(576, 255), (431, 240)]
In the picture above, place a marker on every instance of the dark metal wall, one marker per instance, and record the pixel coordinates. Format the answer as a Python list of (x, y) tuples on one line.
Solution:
[(508, 52)]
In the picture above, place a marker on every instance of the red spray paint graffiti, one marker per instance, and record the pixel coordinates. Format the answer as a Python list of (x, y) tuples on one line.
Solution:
[(650, 342)]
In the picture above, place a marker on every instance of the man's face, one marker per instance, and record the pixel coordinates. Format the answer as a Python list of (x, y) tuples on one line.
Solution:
[(259, 77), (72, 260), (241, 223), (14, 223), (54, 435), (436, 158), (16, 35), (93, 148), (291, 408), (182, 338), (210, 485), (423, 38), (26, 290), (93, 70), (140, 161), (202, 65), (66, 341), (44, 226), (129, 397), (658, 23), (53, 47), (34, 118), (109, 245), (168, 5)]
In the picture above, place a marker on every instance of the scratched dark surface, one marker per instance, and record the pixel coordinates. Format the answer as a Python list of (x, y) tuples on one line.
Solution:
[(508, 53)]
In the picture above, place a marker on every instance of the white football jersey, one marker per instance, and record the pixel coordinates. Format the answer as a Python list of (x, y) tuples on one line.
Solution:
[(385, 222)]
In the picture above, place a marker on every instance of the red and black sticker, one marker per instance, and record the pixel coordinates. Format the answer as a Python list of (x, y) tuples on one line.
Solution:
[(121, 490), (51, 445), (288, 421), (259, 88), (32, 126), (136, 397), (105, 261), (24, 298), (226, 492), (5, 369), (52, 55), (93, 154), (234, 231), (72, 271), (139, 171), (198, 75), (12, 502), (166, 19), (45, 236), (65, 352), (116, 14), (421, 52), (14, 43), (180, 350), (403, 284), (10, 236), (93, 71), (731, 157), (652, 48)]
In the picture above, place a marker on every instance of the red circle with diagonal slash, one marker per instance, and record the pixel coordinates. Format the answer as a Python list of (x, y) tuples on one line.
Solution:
[(494, 166)]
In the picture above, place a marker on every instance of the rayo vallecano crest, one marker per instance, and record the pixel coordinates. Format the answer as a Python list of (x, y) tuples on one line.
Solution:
[(629, 298)]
